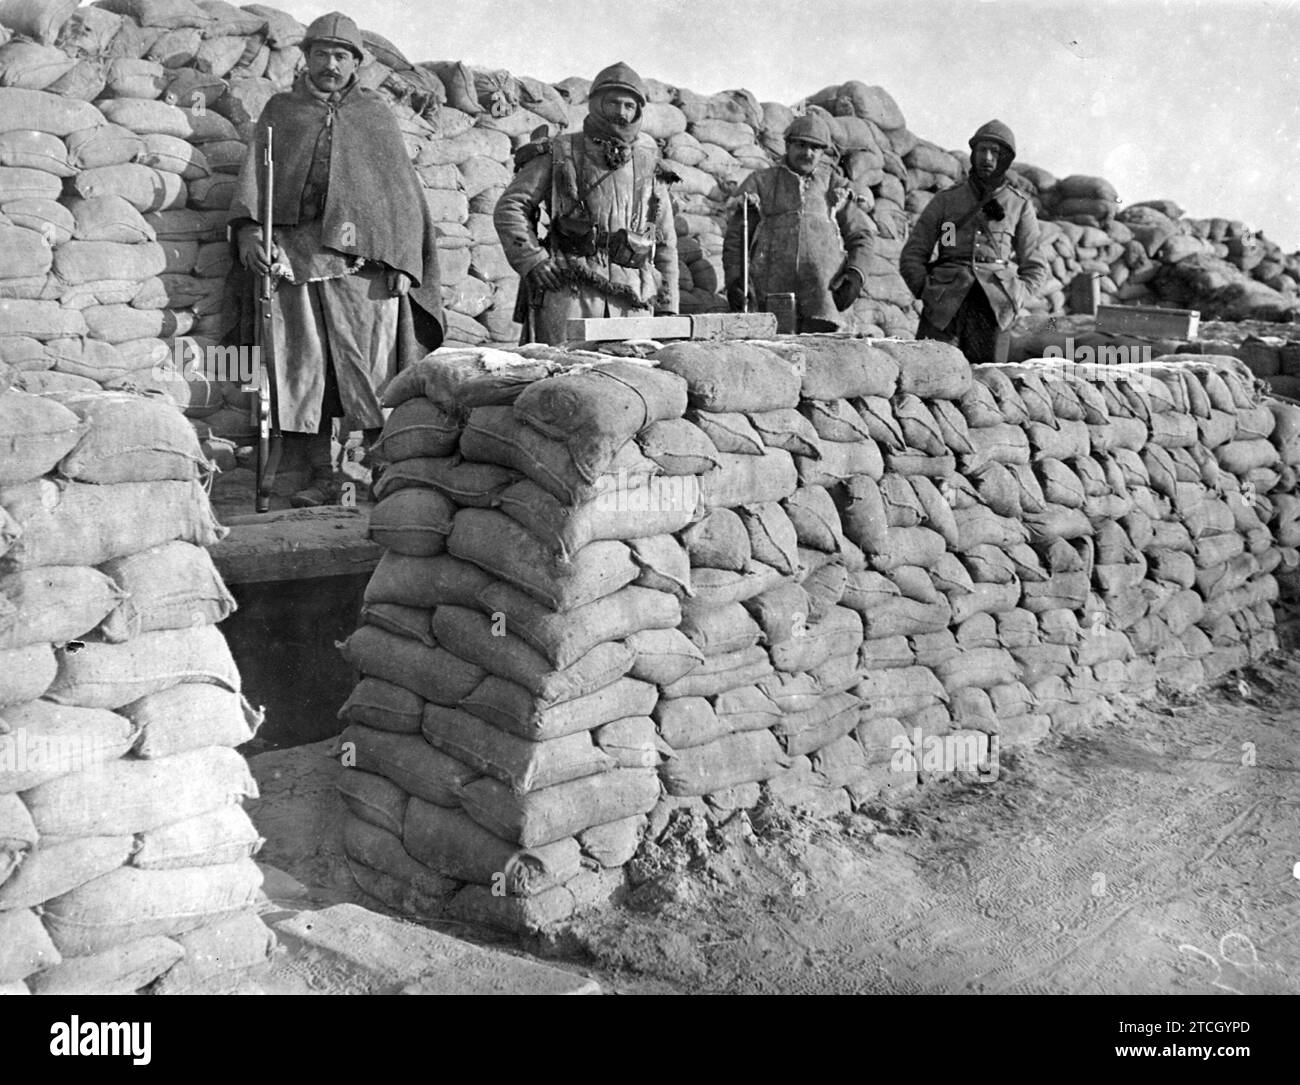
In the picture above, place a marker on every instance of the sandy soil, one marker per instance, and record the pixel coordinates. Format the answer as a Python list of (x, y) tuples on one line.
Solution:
[(1154, 855)]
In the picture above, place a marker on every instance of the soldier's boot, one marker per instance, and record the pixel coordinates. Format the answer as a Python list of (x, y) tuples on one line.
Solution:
[(324, 486)]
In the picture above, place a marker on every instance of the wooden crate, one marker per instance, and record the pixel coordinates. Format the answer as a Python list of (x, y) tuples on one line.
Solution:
[(1149, 321)]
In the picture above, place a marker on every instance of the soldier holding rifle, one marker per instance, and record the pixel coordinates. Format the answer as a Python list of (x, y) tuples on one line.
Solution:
[(360, 295)]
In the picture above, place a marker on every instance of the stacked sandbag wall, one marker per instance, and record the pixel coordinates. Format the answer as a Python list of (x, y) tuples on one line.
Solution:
[(500, 753), (125, 856), (812, 568), (124, 124)]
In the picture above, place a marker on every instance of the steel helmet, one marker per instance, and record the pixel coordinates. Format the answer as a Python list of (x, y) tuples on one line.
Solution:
[(997, 132), (619, 76), (337, 29), (811, 128)]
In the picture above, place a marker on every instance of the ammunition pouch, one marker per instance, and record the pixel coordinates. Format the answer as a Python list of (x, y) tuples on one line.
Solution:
[(575, 233), (630, 250)]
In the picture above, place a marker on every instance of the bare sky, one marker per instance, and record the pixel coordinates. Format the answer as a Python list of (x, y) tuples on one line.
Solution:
[(1193, 101)]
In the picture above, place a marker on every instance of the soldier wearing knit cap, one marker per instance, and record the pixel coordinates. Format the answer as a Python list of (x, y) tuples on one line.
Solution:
[(808, 235), (987, 265), (611, 249)]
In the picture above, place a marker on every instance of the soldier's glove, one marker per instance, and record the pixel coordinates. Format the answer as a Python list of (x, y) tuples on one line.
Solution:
[(846, 288), (398, 282), (736, 297), (250, 249), (545, 276)]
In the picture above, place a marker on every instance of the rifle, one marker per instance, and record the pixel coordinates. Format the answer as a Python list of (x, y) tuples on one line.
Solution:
[(744, 259), (269, 441)]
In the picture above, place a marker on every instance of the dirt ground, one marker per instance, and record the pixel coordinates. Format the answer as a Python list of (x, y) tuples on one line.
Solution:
[(1158, 854)]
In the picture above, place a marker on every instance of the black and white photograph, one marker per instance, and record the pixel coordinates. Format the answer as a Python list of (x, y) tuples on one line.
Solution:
[(649, 498)]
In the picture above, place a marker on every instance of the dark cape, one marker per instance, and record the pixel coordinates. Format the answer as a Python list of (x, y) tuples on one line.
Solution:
[(373, 203)]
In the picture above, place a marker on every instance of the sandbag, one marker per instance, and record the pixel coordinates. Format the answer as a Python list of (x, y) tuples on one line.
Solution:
[(60, 866), (225, 835), (190, 716), (25, 947), (41, 741), (26, 673), (512, 708), (732, 376), (721, 763), (131, 903), (651, 505), (597, 410), (112, 675), (35, 433), (565, 638), (434, 673), (502, 547), (478, 638), (89, 524), (167, 587), (553, 813), (413, 521), (408, 761), (217, 950), (128, 796), (523, 764)]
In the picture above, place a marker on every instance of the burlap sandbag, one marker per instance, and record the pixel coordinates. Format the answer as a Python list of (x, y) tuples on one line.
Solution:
[(112, 675), (499, 545), (408, 761), (523, 764), (434, 673), (26, 673), (457, 846), (553, 813), (565, 638), (37, 433), (595, 411), (86, 524), (128, 796), (734, 376), (52, 604), (60, 866), (130, 904), (217, 950), (647, 505), (512, 708), (191, 716), (414, 521), (25, 947), (373, 798), (42, 741), (167, 587), (722, 762), (224, 835)]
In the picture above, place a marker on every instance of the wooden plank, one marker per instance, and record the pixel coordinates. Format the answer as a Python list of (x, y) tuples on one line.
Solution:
[(295, 544), (1148, 320), (606, 329), (733, 326)]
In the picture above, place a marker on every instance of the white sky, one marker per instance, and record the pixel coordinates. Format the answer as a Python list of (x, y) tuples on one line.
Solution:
[(1193, 101)]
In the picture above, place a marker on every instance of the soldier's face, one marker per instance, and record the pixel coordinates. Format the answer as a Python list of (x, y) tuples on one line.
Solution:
[(619, 107), (984, 158), (330, 66), (802, 156)]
